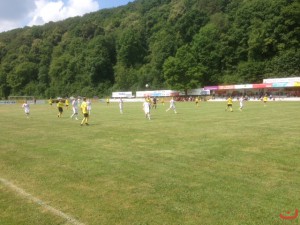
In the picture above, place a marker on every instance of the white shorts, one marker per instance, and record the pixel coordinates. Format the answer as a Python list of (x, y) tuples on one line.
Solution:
[(75, 110)]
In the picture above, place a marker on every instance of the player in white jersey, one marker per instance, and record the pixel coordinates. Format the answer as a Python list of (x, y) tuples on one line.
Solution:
[(241, 100), (121, 105), (89, 106), (75, 108), (172, 105), (146, 108), (26, 108)]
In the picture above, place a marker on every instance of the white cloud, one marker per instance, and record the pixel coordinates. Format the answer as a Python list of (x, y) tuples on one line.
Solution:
[(14, 11), (20, 13), (6, 25), (58, 10)]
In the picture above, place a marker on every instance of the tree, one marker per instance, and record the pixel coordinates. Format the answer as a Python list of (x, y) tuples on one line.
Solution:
[(99, 60), (206, 49), (131, 49), (182, 71), (126, 78), (21, 75), (177, 43)]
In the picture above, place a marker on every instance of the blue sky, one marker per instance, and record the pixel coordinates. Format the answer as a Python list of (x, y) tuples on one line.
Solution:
[(112, 3), (20, 13)]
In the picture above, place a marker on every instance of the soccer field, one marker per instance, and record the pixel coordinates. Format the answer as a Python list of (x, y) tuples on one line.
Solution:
[(201, 166)]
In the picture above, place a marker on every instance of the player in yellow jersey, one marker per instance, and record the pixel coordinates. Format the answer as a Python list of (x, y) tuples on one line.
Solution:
[(265, 100), (50, 101), (107, 101), (85, 113), (148, 99), (67, 103), (60, 106), (197, 101), (229, 104)]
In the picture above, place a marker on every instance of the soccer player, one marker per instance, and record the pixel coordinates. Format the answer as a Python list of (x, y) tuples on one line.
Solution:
[(241, 100), (75, 108), (172, 105), (107, 101), (229, 104), (154, 102), (26, 108), (85, 113), (60, 106), (67, 103), (162, 101), (197, 101), (89, 106), (50, 101), (265, 100), (148, 99), (121, 105), (146, 108)]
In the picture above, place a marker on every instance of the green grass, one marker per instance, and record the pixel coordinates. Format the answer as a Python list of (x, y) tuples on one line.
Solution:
[(200, 166)]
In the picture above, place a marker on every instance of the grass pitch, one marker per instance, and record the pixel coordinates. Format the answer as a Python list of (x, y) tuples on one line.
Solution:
[(200, 166)]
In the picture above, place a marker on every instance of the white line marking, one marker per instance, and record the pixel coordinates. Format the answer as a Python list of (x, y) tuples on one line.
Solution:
[(24, 194)]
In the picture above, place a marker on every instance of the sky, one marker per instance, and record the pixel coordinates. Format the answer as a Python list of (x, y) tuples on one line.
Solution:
[(20, 13)]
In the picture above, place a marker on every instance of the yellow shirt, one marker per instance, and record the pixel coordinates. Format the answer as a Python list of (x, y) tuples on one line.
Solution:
[(265, 99), (67, 102), (60, 104), (84, 108), (229, 101)]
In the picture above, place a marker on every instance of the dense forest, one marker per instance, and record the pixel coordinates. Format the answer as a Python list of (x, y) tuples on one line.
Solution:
[(174, 44)]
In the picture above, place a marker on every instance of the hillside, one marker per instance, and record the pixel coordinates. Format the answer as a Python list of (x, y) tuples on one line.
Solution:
[(178, 44)]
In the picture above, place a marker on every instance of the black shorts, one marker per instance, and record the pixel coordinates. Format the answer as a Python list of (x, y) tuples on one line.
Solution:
[(229, 104), (60, 109), (86, 115)]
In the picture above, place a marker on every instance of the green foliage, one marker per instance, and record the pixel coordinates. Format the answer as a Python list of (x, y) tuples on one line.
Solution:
[(178, 44), (130, 48), (126, 78), (21, 75), (182, 72)]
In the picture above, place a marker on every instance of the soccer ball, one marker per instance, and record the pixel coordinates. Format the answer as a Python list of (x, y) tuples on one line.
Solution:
[(147, 85)]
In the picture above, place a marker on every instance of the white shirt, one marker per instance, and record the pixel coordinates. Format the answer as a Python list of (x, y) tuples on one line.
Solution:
[(75, 106), (75, 103), (146, 107), (241, 100), (172, 103), (89, 105), (121, 103), (26, 107)]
